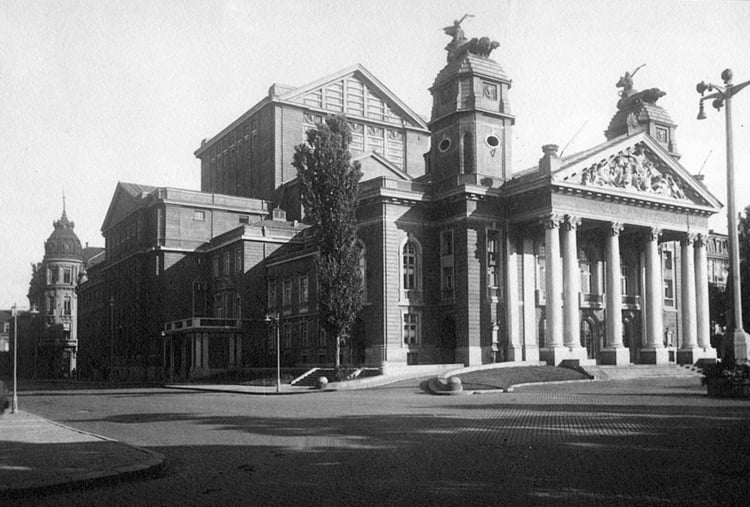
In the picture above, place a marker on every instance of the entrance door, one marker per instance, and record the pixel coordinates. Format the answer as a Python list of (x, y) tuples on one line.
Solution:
[(590, 337), (359, 343), (448, 340)]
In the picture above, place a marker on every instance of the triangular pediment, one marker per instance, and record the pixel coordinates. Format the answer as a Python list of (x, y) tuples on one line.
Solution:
[(373, 165), (356, 93), (126, 199), (635, 165)]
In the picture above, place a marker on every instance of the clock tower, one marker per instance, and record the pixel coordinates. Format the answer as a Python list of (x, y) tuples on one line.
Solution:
[(471, 122)]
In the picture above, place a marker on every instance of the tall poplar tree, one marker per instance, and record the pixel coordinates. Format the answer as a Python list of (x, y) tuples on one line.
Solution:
[(329, 190)]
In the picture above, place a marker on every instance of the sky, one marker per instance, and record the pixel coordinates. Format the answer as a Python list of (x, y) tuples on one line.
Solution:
[(101, 91)]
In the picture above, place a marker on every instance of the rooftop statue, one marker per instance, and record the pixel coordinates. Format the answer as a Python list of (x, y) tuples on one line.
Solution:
[(631, 97), (460, 45)]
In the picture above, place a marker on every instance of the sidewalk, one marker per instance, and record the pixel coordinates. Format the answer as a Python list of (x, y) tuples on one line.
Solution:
[(37, 454)]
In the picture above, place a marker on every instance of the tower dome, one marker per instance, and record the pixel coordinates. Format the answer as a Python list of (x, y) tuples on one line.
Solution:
[(63, 242)]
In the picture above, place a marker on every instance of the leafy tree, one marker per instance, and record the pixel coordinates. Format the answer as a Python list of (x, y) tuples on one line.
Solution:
[(329, 191)]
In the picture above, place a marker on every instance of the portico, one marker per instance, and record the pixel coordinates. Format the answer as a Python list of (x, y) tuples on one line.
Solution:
[(600, 251)]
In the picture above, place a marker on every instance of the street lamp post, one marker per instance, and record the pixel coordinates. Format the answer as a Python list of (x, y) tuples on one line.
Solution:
[(14, 312), (14, 399), (722, 96), (111, 338), (274, 317)]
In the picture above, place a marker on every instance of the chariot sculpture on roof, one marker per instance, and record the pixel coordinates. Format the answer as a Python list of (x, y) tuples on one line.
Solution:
[(630, 96), (460, 45)]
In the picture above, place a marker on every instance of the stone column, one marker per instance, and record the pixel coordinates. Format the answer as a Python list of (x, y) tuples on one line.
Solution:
[(614, 351), (530, 342), (553, 350), (572, 290), (654, 352), (688, 351), (512, 314), (703, 318)]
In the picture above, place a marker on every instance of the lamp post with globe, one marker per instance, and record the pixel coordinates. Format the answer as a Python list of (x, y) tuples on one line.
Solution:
[(722, 97)]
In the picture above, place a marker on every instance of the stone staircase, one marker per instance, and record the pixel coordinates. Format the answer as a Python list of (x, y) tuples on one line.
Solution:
[(637, 371)]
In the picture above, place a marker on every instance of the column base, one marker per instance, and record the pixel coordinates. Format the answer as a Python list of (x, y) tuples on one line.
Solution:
[(556, 355), (655, 355), (741, 346), (618, 356), (532, 353), (514, 354), (469, 356), (691, 356)]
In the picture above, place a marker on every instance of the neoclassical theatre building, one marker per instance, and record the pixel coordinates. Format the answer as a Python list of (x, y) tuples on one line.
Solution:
[(598, 256)]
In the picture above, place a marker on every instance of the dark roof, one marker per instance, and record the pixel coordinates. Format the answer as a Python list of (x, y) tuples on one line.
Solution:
[(90, 252), (471, 63), (63, 240), (644, 112)]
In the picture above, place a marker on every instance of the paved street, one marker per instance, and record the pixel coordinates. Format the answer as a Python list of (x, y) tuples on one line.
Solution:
[(654, 442)]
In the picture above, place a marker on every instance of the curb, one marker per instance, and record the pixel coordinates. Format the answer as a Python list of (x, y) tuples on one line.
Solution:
[(433, 386), (237, 390), (154, 464)]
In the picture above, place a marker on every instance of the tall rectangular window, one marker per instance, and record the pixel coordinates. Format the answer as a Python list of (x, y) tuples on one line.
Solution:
[(227, 264), (668, 274), (409, 266), (303, 334), (287, 335), (67, 308), (216, 266), (322, 338), (585, 277), (411, 328), (286, 295), (446, 243), (50, 304), (304, 293), (67, 275), (238, 260), (271, 294)]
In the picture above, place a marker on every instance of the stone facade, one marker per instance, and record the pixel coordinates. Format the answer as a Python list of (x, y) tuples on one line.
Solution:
[(597, 256)]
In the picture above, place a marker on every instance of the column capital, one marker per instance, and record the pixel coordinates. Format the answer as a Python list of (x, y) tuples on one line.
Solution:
[(653, 233), (571, 222), (551, 221), (614, 228), (688, 239), (701, 239)]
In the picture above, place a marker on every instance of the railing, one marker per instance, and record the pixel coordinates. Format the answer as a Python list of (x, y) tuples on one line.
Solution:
[(202, 323)]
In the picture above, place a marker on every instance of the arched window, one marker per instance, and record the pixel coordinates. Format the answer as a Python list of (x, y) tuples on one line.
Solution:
[(409, 265)]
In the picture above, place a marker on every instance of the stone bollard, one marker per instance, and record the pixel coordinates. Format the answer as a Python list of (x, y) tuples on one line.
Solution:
[(454, 384), (322, 382)]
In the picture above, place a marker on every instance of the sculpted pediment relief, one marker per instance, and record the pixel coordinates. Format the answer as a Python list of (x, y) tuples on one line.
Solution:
[(634, 169)]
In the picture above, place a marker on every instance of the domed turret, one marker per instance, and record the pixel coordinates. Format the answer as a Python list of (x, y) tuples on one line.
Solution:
[(63, 241)]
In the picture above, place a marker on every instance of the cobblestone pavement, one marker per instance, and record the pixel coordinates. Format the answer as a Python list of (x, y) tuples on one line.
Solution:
[(652, 442)]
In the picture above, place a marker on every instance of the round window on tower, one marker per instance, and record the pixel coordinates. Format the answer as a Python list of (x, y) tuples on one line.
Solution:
[(444, 145), (492, 141)]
